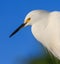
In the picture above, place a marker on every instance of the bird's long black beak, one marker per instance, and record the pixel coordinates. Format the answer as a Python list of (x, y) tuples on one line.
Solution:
[(21, 26)]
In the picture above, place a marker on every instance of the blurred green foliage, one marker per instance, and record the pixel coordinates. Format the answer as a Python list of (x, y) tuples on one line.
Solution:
[(48, 59)]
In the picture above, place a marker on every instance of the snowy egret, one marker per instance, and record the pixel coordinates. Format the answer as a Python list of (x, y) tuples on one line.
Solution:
[(45, 28)]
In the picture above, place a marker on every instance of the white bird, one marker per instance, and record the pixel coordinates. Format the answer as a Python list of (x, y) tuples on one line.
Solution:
[(45, 27)]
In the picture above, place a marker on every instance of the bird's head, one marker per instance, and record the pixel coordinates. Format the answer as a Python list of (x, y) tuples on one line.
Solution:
[(31, 18)]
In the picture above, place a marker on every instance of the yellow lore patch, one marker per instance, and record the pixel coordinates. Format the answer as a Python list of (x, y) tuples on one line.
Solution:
[(28, 20)]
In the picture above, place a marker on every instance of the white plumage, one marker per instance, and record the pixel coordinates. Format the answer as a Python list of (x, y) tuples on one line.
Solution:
[(46, 29)]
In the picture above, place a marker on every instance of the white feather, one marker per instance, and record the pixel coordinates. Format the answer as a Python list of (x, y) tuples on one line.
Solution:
[(46, 29)]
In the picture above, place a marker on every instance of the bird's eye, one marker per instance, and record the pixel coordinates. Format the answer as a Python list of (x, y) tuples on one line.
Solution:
[(28, 20)]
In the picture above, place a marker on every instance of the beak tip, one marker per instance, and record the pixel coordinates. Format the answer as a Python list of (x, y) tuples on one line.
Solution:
[(10, 36)]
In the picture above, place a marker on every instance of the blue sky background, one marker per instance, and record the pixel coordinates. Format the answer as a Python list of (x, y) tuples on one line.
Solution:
[(23, 44)]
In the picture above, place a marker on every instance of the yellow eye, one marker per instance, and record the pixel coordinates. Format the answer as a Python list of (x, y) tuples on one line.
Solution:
[(28, 20)]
